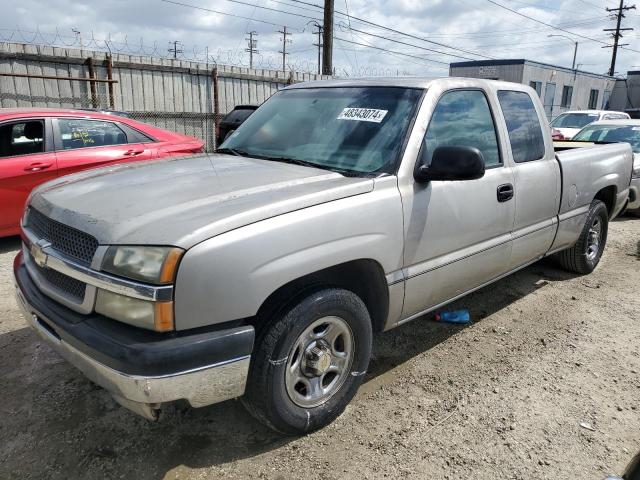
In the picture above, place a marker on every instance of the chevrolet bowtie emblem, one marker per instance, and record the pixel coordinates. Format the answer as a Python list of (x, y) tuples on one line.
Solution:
[(37, 253)]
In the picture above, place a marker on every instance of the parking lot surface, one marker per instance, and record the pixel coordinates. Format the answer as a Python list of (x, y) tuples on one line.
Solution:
[(504, 397)]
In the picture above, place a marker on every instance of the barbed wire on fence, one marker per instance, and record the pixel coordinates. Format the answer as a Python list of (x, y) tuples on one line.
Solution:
[(128, 46), (123, 44)]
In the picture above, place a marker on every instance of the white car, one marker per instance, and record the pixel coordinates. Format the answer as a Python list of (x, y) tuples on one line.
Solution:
[(570, 123), (614, 131)]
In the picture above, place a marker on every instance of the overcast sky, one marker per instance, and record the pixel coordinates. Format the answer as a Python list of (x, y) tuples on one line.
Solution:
[(475, 28)]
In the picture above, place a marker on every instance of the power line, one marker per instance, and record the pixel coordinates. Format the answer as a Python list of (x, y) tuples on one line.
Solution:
[(210, 10), (377, 25), (551, 26), (409, 44), (390, 51), (240, 2)]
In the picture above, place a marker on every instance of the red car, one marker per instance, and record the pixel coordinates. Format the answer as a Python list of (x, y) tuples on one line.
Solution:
[(37, 145)]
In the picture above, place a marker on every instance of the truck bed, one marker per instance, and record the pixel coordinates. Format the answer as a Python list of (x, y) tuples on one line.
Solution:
[(587, 171), (591, 168)]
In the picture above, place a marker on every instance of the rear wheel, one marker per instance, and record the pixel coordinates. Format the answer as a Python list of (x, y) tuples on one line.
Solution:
[(309, 362), (585, 255)]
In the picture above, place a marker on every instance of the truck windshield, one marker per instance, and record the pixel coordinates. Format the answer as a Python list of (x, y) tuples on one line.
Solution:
[(574, 120), (611, 134), (355, 129)]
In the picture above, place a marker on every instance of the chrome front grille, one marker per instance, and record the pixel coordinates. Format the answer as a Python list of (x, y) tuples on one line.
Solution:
[(68, 286), (67, 240)]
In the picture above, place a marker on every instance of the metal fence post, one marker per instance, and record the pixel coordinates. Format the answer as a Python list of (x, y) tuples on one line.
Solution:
[(216, 106), (92, 83), (112, 104)]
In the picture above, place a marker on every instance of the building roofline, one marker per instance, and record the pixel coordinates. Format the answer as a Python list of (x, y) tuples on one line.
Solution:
[(523, 61)]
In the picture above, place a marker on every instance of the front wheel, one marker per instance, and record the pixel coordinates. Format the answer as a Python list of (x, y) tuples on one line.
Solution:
[(309, 362), (585, 255)]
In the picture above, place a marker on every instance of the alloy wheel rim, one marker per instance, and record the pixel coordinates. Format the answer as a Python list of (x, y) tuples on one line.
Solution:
[(593, 239), (319, 362)]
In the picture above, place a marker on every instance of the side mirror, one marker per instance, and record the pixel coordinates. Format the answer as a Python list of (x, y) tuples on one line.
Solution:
[(451, 163)]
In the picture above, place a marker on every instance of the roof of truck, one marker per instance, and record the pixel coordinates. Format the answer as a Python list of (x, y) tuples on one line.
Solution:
[(404, 82)]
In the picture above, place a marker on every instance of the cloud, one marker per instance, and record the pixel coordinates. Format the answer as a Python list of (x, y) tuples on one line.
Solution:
[(473, 25)]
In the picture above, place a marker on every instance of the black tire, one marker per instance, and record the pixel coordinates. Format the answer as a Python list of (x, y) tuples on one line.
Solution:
[(266, 396), (575, 259)]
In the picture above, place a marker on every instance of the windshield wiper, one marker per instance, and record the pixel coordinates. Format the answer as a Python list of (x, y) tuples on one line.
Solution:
[(233, 151), (304, 163)]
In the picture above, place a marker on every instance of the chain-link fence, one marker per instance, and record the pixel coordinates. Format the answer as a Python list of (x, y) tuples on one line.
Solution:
[(186, 97)]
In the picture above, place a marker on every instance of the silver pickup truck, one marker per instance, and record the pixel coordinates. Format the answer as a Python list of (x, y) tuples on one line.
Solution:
[(338, 209)]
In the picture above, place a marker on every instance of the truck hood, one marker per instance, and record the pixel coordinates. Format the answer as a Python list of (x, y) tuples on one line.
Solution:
[(183, 201)]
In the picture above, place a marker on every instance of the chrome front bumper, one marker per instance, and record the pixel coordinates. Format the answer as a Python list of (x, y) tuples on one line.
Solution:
[(145, 394)]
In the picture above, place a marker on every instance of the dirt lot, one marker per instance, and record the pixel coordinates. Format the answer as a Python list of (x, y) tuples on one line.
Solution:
[(502, 398)]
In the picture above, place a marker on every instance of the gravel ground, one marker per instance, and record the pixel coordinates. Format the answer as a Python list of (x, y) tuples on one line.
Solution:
[(501, 398)]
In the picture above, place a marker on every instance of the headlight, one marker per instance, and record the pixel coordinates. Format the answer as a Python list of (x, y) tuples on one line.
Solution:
[(156, 316), (149, 264)]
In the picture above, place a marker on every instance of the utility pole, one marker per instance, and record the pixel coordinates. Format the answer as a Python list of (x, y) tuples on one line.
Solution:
[(575, 48), (284, 47), (78, 35), (252, 47), (174, 49), (617, 35), (319, 45), (327, 50)]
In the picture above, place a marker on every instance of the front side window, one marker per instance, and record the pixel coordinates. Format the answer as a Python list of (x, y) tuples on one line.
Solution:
[(350, 129), (463, 118), (21, 138), (523, 125), (567, 93), (82, 133), (593, 99)]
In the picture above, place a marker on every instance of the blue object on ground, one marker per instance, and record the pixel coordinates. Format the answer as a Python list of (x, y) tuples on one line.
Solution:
[(456, 316)]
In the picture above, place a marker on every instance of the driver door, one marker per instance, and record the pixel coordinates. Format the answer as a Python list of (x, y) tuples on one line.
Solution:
[(457, 233)]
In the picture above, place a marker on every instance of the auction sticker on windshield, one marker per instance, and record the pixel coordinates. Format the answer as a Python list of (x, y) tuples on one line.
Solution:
[(363, 114)]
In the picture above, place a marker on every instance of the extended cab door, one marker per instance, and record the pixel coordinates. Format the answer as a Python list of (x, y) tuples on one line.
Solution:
[(457, 233), (26, 160), (537, 176), (83, 143)]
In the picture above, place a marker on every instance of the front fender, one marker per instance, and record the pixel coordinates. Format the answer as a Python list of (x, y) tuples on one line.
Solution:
[(228, 277)]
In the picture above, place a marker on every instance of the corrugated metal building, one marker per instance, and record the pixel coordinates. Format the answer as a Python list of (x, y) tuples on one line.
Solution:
[(626, 94), (560, 88)]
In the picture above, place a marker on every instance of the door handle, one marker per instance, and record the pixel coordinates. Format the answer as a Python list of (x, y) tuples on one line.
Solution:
[(37, 166), (505, 192), (131, 153)]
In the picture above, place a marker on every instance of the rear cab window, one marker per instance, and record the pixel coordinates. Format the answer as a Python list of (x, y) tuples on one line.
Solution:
[(523, 125)]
